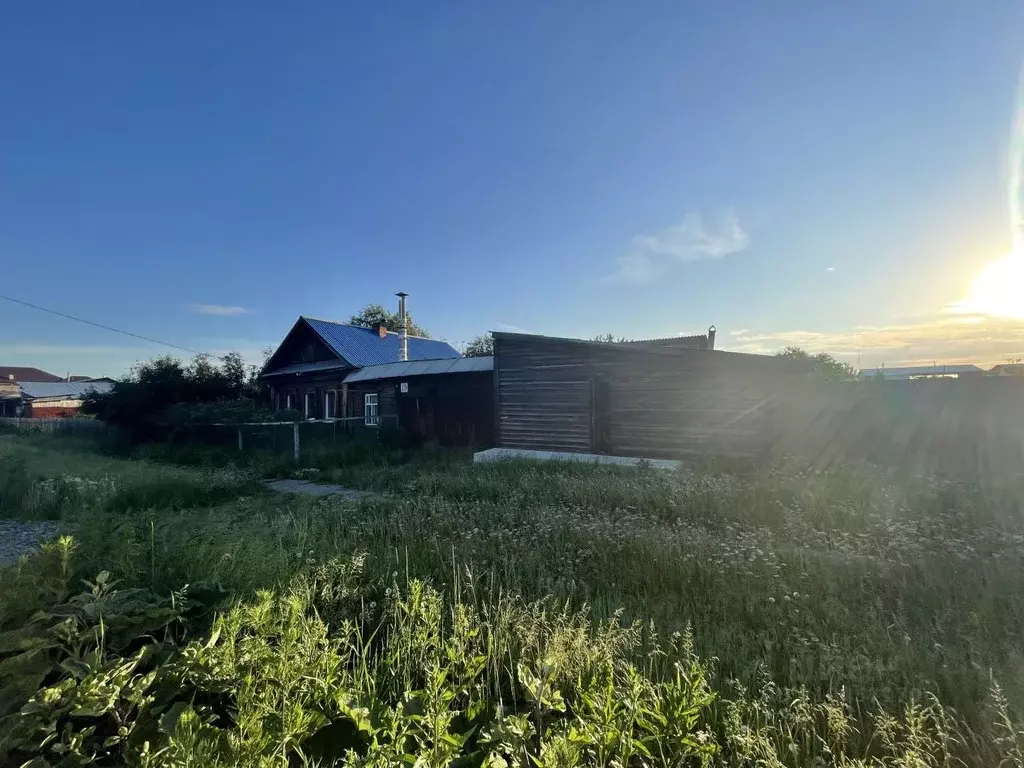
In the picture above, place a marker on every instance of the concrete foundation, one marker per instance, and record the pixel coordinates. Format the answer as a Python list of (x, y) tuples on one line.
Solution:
[(501, 454)]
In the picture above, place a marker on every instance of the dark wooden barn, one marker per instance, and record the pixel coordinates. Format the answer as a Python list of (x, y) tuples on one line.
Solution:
[(670, 402), (593, 397), (668, 398)]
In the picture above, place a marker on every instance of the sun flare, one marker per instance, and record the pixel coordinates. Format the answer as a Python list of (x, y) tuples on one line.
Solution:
[(998, 289)]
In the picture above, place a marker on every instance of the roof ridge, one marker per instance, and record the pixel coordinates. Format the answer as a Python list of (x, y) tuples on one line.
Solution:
[(368, 328), (668, 338)]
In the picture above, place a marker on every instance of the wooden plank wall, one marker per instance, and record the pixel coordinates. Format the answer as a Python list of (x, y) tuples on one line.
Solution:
[(691, 403)]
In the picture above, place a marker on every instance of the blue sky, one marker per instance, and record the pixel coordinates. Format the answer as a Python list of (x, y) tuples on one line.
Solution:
[(832, 174)]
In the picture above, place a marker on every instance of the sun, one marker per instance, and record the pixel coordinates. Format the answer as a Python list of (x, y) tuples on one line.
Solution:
[(998, 289)]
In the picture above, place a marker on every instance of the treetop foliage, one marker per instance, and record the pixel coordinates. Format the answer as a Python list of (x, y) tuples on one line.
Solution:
[(825, 365), (154, 389), (373, 315), (481, 346)]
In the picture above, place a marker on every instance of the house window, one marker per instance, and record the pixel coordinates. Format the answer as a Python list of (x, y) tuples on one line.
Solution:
[(330, 400), (371, 416), (309, 405)]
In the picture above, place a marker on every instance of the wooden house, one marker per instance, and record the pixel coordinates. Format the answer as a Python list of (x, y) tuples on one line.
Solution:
[(340, 372), (449, 400)]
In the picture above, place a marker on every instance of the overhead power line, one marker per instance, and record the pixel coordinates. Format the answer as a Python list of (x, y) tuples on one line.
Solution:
[(107, 327)]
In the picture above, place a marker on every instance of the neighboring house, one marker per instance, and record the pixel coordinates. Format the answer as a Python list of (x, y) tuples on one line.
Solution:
[(18, 373), (1007, 369), (335, 371), (924, 372), (10, 396), (48, 399)]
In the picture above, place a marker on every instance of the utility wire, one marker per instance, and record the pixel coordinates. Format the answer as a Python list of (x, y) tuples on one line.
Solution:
[(107, 327)]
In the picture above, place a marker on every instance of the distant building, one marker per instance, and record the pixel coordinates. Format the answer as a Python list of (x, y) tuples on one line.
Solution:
[(47, 399), (924, 372), (1007, 369), (19, 373)]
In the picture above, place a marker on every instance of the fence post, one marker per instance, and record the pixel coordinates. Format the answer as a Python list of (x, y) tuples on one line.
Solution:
[(239, 439), (295, 441), (344, 405)]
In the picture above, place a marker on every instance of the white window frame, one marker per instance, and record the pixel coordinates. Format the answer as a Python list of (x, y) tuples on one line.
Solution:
[(371, 409), (331, 404), (309, 404)]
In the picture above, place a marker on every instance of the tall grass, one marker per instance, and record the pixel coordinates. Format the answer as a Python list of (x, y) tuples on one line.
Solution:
[(45, 477), (851, 617)]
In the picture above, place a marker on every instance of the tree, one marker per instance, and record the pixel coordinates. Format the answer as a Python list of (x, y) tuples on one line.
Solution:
[(481, 346), (144, 400), (373, 315), (238, 373), (826, 366)]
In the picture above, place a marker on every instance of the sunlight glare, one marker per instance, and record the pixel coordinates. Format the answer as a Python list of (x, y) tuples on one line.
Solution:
[(998, 289)]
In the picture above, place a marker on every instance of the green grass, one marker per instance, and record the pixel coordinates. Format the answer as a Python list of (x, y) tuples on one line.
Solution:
[(851, 618), (46, 477)]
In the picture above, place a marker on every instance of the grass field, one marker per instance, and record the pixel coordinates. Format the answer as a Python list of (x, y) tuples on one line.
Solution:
[(507, 614)]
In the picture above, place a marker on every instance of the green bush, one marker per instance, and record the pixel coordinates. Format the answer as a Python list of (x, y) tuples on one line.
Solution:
[(426, 678)]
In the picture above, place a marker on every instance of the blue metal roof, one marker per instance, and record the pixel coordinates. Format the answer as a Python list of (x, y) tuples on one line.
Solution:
[(69, 390), (364, 346)]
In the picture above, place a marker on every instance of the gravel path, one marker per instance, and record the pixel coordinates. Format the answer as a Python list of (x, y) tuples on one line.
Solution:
[(18, 537)]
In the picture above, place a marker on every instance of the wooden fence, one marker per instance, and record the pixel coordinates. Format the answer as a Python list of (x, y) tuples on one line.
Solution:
[(56, 426)]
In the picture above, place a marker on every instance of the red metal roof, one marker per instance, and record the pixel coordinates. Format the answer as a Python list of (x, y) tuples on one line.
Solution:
[(26, 374)]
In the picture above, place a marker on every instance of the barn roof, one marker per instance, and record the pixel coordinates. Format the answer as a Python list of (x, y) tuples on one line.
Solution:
[(671, 345), (421, 368)]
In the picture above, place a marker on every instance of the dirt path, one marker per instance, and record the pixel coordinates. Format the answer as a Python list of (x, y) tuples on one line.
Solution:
[(315, 489), (20, 537)]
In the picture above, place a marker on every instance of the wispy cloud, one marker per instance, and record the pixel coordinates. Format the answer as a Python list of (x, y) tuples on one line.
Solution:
[(510, 328), (978, 339), (652, 255), (223, 310), (830, 269)]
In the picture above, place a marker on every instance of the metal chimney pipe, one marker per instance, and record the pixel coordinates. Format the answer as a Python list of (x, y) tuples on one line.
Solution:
[(403, 332)]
